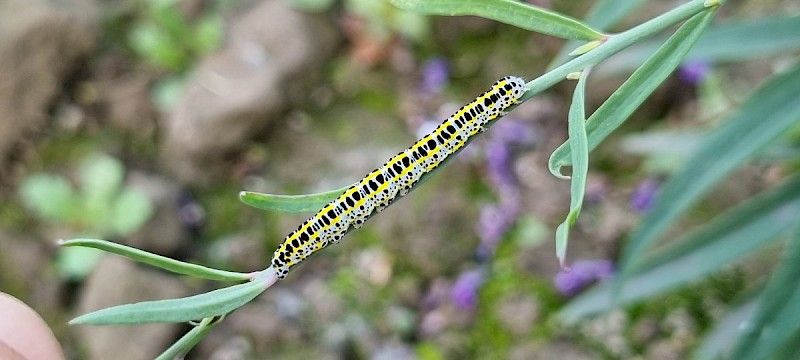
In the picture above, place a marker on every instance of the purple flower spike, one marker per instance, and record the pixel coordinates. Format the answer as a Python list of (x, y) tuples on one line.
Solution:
[(695, 71), (499, 151), (498, 161), (492, 224), (435, 74), (464, 294), (582, 274), (644, 195), (514, 132)]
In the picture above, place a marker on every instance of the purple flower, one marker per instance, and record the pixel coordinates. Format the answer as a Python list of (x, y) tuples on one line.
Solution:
[(499, 165), (495, 220), (694, 71), (644, 195), (435, 74), (437, 294), (492, 224), (499, 150), (582, 274), (514, 132), (464, 293)]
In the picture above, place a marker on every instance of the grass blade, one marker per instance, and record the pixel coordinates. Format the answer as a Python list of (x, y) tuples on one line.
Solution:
[(580, 169), (159, 261), (210, 304), (776, 317), (290, 203), (510, 12), (730, 236), (623, 102), (765, 116)]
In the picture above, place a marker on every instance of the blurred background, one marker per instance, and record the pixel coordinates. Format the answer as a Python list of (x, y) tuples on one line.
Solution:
[(140, 121)]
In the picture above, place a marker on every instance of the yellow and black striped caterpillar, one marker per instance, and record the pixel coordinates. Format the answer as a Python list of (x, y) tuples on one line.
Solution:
[(396, 177)]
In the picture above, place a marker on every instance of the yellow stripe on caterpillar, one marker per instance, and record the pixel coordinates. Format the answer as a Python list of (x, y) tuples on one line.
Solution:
[(396, 177)]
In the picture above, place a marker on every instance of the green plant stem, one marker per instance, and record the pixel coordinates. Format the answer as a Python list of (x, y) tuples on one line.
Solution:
[(614, 44), (181, 347)]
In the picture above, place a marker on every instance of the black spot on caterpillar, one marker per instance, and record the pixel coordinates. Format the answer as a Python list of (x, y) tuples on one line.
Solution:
[(396, 177)]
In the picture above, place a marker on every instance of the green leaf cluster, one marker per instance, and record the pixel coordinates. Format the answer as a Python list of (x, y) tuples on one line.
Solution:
[(100, 205), (164, 37)]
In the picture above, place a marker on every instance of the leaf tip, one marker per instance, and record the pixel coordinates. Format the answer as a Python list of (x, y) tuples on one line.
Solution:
[(80, 320), (711, 3), (589, 46), (556, 171)]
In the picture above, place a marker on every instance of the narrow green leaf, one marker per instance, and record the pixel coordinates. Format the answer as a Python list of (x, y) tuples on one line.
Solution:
[(511, 12), (580, 159), (159, 261), (724, 333), (768, 329), (731, 236), (789, 350), (290, 203), (602, 15), (214, 303), (733, 41), (765, 116), (180, 348), (623, 102)]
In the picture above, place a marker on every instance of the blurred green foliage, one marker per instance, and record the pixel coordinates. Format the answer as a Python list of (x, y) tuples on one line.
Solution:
[(164, 37), (100, 206)]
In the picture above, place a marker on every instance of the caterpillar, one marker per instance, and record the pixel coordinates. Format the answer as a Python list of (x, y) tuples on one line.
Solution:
[(396, 177)]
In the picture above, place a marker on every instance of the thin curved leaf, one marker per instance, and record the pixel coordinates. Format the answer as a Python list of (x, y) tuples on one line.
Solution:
[(623, 102), (511, 12), (765, 116), (778, 312), (158, 261), (210, 304), (290, 203), (729, 237), (580, 157)]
